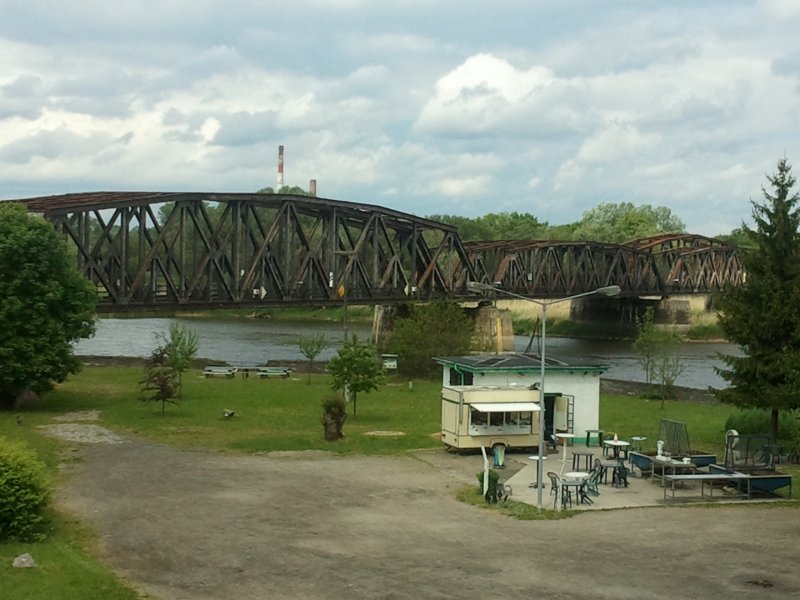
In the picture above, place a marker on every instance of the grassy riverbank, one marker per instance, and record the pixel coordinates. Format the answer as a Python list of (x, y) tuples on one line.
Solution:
[(272, 415)]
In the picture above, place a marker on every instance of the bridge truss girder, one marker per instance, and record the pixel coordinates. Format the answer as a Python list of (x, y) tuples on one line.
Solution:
[(667, 265), (193, 250)]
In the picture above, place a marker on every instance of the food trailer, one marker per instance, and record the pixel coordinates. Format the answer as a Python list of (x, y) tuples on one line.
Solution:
[(475, 416), (571, 399)]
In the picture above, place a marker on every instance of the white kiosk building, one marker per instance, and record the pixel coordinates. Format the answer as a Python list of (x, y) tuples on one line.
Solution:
[(490, 400)]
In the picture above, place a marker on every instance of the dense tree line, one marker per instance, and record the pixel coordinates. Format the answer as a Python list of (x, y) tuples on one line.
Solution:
[(608, 222)]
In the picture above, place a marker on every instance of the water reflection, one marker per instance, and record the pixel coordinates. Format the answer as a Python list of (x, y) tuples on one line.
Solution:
[(236, 341), (699, 359)]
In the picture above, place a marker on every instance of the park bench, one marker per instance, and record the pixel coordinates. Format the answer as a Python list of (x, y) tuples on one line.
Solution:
[(273, 372), (229, 372)]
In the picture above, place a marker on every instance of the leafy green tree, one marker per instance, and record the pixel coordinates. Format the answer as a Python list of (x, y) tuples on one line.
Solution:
[(45, 305), (621, 222), (762, 317), (311, 349), (495, 226), (160, 381), (355, 369), (646, 344), (294, 190), (658, 351), (738, 237), (180, 347), (434, 329)]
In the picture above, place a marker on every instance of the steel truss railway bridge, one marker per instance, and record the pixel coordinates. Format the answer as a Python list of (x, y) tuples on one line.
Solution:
[(170, 251)]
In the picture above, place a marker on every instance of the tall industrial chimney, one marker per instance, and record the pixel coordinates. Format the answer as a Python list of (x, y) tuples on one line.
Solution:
[(280, 168), (312, 187)]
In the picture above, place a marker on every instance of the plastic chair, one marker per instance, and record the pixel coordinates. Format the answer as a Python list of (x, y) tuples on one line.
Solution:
[(620, 476), (555, 485), (591, 487)]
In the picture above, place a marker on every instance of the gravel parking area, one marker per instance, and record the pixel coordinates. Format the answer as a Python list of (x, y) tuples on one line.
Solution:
[(200, 525)]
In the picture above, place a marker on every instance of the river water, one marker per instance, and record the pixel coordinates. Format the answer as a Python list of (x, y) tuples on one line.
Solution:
[(255, 341)]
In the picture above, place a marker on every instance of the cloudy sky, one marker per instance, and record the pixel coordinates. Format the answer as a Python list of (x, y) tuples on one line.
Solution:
[(430, 107)]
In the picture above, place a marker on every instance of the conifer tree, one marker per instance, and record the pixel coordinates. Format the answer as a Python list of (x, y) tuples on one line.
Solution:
[(762, 316)]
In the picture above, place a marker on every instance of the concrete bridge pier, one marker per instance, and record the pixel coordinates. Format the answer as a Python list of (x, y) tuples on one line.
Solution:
[(383, 316), (494, 329)]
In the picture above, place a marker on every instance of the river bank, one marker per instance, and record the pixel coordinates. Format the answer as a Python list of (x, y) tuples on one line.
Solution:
[(607, 385)]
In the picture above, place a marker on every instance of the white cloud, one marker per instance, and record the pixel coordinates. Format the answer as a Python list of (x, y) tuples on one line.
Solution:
[(430, 111)]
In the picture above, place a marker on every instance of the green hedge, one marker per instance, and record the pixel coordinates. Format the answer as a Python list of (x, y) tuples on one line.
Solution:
[(755, 421), (24, 492)]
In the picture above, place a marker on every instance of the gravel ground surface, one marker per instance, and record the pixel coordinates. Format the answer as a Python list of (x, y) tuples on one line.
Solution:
[(201, 525)]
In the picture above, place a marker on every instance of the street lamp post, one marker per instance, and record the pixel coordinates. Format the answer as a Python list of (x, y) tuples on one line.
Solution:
[(610, 290)]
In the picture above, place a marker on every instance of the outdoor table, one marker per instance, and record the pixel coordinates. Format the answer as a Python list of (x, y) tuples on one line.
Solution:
[(577, 457), (537, 483), (615, 445), (607, 464), (637, 440), (599, 433), (710, 478), (574, 480), (671, 466)]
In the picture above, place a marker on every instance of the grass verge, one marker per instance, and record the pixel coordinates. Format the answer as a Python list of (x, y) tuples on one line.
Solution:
[(517, 510), (66, 568)]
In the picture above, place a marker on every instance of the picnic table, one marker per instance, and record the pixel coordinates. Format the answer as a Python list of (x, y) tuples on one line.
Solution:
[(273, 372), (216, 371)]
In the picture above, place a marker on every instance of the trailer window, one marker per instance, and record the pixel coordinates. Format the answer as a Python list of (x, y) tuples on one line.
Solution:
[(482, 423), (478, 418)]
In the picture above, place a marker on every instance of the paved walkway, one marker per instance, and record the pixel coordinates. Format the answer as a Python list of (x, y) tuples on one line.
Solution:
[(639, 493)]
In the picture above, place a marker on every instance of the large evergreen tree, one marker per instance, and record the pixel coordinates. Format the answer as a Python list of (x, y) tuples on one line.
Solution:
[(762, 316), (45, 305)]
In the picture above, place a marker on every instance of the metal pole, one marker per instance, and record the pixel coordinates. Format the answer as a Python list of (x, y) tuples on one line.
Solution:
[(542, 445), (344, 318)]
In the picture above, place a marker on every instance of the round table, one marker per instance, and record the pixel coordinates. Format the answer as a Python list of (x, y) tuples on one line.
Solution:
[(537, 483), (615, 445), (576, 475), (637, 440)]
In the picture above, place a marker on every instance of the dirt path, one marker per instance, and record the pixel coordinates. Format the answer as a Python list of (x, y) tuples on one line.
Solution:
[(198, 525)]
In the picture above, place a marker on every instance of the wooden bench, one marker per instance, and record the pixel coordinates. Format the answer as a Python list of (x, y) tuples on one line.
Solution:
[(273, 372), (711, 478), (229, 372)]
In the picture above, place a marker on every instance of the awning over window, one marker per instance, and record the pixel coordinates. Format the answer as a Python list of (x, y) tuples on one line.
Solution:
[(504, 406)]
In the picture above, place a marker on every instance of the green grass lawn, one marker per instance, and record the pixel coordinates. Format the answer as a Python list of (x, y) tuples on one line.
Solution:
[(273, 415), (66, 568), (629, 416)]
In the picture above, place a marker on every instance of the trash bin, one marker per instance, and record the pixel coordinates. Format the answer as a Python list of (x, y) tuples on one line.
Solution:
[(499, 456)]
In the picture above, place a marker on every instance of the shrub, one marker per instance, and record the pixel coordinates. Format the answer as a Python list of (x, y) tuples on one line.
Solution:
[(757, 421), (492, 494), (24, 492), (334, 413)]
